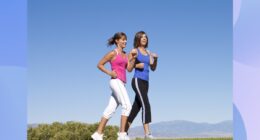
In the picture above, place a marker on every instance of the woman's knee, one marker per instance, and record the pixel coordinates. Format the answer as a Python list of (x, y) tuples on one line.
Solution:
[(126, 109), (108, 113)]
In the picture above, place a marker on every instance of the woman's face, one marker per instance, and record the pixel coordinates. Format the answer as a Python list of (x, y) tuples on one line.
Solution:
[(121, 42), (143, 40)]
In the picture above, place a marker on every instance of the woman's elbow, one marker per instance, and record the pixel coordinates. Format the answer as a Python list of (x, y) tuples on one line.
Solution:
[(153, 68), (129, 69), (99, 66)]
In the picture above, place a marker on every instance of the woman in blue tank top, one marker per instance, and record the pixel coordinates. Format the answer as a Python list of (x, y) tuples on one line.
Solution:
[(140, 82)]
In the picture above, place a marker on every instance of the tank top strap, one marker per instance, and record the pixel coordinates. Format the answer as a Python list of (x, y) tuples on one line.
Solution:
[(116, 51), (138, 50), (148, 52)]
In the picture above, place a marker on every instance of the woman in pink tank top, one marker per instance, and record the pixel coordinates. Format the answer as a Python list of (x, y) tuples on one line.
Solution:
[(118, 65), (120, 62)]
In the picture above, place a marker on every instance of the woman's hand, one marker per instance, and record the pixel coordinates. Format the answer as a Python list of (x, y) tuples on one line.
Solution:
[(153, 61), (133, 53), (154, 55), (131, 60), (113, 74)]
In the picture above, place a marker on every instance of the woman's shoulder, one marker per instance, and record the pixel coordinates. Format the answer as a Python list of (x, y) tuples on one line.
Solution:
[(111, 54), (148, 51)]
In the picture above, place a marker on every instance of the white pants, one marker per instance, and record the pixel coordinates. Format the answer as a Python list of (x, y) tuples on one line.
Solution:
[(119, 96)]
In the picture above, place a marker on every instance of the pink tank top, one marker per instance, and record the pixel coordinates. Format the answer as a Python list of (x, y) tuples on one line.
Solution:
[(119, 65)]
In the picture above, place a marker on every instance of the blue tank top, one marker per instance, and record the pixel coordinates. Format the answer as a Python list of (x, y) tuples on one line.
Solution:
[(142, 73)]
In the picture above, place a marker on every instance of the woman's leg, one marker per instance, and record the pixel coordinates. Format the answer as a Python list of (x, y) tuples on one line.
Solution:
[(142, 92), (119, 89), (123, 123), (146, 128), (135, 109), (102, 125), (109, 111)]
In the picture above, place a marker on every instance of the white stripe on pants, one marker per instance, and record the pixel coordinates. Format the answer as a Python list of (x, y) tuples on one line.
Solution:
[(119, 97)]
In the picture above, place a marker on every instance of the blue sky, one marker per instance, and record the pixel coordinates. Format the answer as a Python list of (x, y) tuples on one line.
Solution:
[(67, 39)]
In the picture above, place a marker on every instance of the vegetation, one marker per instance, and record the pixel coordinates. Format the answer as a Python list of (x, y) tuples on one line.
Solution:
[(80, 131), (68, 131)]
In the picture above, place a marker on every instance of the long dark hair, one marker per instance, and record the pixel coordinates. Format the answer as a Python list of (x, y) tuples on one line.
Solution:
[(138, 37), (111, 41)]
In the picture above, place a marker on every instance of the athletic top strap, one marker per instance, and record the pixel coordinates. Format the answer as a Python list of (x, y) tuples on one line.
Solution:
[(116, 51)]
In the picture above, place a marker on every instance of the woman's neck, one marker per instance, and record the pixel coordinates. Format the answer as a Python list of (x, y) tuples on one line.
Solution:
[(119, 49), (141, 47)]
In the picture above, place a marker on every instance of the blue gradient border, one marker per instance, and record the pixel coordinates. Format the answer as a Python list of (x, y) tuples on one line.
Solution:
[(13, 28), (246, 69)]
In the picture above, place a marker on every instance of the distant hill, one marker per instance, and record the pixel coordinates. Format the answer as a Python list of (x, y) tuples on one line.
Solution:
[(186, 129)]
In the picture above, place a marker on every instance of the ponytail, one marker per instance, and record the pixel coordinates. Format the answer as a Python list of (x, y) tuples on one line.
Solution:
[(111, 41)]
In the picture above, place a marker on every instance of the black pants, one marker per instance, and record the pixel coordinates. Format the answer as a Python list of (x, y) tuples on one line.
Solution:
[(141, 101)]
